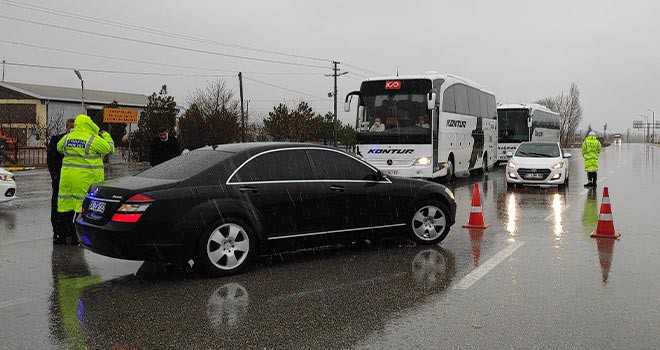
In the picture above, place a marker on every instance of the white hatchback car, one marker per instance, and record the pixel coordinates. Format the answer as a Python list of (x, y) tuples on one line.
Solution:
[(7, 186), (538, 163)]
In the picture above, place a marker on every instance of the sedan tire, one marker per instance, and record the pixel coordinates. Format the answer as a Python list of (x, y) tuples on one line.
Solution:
[(226, 247), (430, 222)]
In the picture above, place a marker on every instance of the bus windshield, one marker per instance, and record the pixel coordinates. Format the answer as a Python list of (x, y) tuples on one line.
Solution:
[(512, 125), (394, 112)]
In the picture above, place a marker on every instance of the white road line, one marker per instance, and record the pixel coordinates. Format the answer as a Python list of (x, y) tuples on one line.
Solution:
[(602, 179), (547, 218), (611, 172), (482, 270), (619, 166), (12, 302), (583, 192)]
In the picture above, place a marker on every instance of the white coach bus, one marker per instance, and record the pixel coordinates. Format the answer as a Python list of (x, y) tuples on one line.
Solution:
[(524, 122), (426, 126)]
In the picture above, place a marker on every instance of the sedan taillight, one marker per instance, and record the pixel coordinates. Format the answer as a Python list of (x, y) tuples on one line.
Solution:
[(132, 210)]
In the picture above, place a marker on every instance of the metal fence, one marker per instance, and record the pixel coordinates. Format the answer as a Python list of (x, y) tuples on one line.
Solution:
[(26, 156)]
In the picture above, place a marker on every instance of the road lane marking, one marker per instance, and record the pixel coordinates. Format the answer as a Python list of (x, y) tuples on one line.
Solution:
[(482, 270), (12, 302), (583, 192), (602, 179), (611, 172), (547, 218)]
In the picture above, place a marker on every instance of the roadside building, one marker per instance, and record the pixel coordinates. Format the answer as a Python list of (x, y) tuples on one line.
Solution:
[(30, 112)]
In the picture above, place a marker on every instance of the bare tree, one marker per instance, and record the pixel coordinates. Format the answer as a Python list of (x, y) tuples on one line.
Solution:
[(570, 112), (55, 125), (220, 113)]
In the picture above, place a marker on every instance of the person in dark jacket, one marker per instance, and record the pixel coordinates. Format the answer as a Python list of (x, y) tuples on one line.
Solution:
[(54, 161), (163, 148)]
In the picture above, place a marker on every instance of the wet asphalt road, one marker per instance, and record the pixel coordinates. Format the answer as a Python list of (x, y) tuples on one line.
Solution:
[(558, 288)]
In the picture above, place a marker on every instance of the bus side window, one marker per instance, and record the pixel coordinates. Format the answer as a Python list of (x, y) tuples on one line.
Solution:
[(461, 93), (483, 100), (492, 108), (448, 100)]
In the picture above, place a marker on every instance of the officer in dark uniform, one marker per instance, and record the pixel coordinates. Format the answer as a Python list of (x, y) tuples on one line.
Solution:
[(54, 161)]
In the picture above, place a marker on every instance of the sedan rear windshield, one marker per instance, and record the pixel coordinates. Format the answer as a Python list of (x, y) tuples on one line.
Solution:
[(538, 150), (186, 165)]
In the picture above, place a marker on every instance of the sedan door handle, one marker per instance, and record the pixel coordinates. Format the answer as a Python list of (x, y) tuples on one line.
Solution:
[(248, 190), (337, 188)]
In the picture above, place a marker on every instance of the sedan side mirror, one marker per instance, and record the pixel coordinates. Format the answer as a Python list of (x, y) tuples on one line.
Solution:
[(509, 154), (567, 155)]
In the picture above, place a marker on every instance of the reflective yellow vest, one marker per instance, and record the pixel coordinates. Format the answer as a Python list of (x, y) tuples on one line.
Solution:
[(82, 165), (591, 152)]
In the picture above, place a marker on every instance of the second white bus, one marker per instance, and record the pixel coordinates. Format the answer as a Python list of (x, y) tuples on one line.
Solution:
[(425, 126), (524, 122)]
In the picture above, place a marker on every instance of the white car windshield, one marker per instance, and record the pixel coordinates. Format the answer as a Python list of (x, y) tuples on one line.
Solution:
[(538, 150)]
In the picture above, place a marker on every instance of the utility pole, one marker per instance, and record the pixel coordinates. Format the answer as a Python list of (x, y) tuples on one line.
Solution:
[(335, 74), (653, 127), (240, 83), (3, 70)]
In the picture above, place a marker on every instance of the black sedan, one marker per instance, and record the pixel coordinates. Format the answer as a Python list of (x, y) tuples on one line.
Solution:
[(220, 206)]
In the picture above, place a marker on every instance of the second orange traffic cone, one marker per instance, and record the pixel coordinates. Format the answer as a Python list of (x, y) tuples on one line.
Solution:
[(605, 228), (476, 214)]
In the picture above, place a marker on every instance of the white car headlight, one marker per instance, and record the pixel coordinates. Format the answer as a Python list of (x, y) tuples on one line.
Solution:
[(558, 166), (511, 164), (424, 161), (6, 177)]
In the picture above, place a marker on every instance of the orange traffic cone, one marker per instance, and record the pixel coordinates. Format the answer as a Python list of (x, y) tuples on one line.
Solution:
[(476, 214), (605, 254), (605, 228), (476, 236)]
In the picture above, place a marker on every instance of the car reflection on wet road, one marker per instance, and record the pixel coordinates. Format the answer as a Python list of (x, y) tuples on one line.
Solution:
[(338, 297), (561, 289)]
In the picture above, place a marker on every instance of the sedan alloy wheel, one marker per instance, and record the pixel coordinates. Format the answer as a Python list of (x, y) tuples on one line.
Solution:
[(226, 248), (430, 224)]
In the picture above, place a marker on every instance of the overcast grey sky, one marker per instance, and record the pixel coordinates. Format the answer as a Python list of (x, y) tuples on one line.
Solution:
[(521, 50)]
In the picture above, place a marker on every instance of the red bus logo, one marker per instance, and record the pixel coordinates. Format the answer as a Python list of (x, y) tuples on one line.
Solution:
[(393, 85)]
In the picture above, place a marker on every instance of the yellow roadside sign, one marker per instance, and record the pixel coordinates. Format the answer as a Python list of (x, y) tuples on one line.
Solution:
[(120, 115)]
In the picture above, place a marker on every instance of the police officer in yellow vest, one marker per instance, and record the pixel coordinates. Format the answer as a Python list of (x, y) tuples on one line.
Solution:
[(591, 151), (82, 166)]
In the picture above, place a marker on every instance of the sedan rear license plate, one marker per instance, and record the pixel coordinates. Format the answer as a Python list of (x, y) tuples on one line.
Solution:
[(97, 207), (392, 172)]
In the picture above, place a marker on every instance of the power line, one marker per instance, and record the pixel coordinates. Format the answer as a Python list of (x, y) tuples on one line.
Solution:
[(281, 87), (368, 71), (81, 17), (94, 70), (161, 44), (149, 62), (284, 100)]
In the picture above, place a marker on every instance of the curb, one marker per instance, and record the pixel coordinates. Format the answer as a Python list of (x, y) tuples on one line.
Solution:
[(19, 168)]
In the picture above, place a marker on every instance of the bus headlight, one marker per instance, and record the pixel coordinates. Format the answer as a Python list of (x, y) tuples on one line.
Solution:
[(511, 164), (424, 161), (558, 166)]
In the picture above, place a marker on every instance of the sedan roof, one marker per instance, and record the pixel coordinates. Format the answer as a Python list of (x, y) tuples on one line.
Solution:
[(258, 146)]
